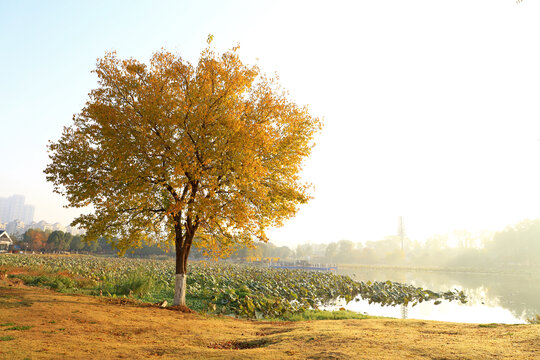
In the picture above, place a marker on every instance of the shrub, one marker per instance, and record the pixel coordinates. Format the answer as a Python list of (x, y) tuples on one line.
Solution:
[(136, 283), (534, 320)]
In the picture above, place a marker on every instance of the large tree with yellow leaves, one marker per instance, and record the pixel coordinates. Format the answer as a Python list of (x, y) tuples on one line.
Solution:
[(169, 150)]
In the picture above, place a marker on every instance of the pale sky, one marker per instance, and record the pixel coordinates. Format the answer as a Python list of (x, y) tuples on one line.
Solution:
[(431, 108)]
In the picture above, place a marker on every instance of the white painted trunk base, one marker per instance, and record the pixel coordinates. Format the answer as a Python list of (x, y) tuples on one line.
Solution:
[(180, 289)]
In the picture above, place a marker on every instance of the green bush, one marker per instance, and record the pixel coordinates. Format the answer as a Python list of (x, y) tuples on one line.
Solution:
[(135, 283), (55, 282)]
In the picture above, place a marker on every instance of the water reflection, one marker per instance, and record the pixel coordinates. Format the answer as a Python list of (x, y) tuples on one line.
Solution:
[(493, 298)]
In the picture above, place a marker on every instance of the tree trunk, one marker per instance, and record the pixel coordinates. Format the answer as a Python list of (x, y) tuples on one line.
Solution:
[(180, 274), (183, 246), (180, 289)]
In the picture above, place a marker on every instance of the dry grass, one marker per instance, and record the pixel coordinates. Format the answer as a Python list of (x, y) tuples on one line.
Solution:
[(82, 327)]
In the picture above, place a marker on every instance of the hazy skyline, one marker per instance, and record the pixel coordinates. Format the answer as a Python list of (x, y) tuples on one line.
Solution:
[(430, 107)]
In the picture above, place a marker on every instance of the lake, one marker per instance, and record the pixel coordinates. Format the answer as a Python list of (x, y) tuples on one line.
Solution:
[(493, 298)]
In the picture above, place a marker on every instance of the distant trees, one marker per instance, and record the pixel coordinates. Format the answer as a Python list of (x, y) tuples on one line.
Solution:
[(331, 251), (304, 250), (35, 239), (515, 246), (46, 241), (346, 251), (518, 244), (40, 240), (76, 244), (264, 250), (283, 252), (59, 240)]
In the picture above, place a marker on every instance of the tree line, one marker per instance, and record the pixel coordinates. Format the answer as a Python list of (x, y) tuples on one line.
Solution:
[(513, 247), (516, 246), (58, 241)]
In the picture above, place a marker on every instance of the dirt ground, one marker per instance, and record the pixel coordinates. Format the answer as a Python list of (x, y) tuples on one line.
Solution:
[(42, 324)]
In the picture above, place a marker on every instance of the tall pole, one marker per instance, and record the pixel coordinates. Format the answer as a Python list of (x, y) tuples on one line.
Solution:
[(401, 231)]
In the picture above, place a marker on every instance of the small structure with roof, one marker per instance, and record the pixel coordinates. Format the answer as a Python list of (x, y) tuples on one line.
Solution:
[(5, 241)]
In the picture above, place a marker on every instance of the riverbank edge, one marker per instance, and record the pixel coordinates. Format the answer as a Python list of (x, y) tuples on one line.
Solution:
[(41, 323), (530, 271)]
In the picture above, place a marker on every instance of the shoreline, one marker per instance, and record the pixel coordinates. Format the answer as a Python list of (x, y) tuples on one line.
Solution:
[(40, 323), (518, 272)]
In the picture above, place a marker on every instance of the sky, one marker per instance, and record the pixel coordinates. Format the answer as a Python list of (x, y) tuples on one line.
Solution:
[(430, 108)]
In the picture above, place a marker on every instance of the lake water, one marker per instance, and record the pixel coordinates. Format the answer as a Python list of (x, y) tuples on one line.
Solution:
[(492, 298)]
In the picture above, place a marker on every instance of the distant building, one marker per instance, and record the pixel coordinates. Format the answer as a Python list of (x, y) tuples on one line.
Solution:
[(19, 227), (3, 210), (15, 227), (14, 208), (28, 214), (58, 227), (43, 225), (5, 241)]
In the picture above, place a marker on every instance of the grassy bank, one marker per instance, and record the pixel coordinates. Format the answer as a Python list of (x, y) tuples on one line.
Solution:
[(38, 323), (139, 288), (218, 288)]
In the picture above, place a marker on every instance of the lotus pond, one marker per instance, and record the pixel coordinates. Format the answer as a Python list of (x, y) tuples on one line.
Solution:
[(499, 296), (217, 287)]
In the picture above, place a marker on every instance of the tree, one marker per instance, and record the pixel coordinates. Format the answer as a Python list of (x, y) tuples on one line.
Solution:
[(170, 150), (517, 244), (304, 250), (36, 239), (268, 249), (92, 246), (76, 243), (345, 252), (331, 251), (59, 240)]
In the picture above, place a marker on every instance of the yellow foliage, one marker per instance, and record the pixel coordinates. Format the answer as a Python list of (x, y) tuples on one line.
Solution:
[(171, 150)]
